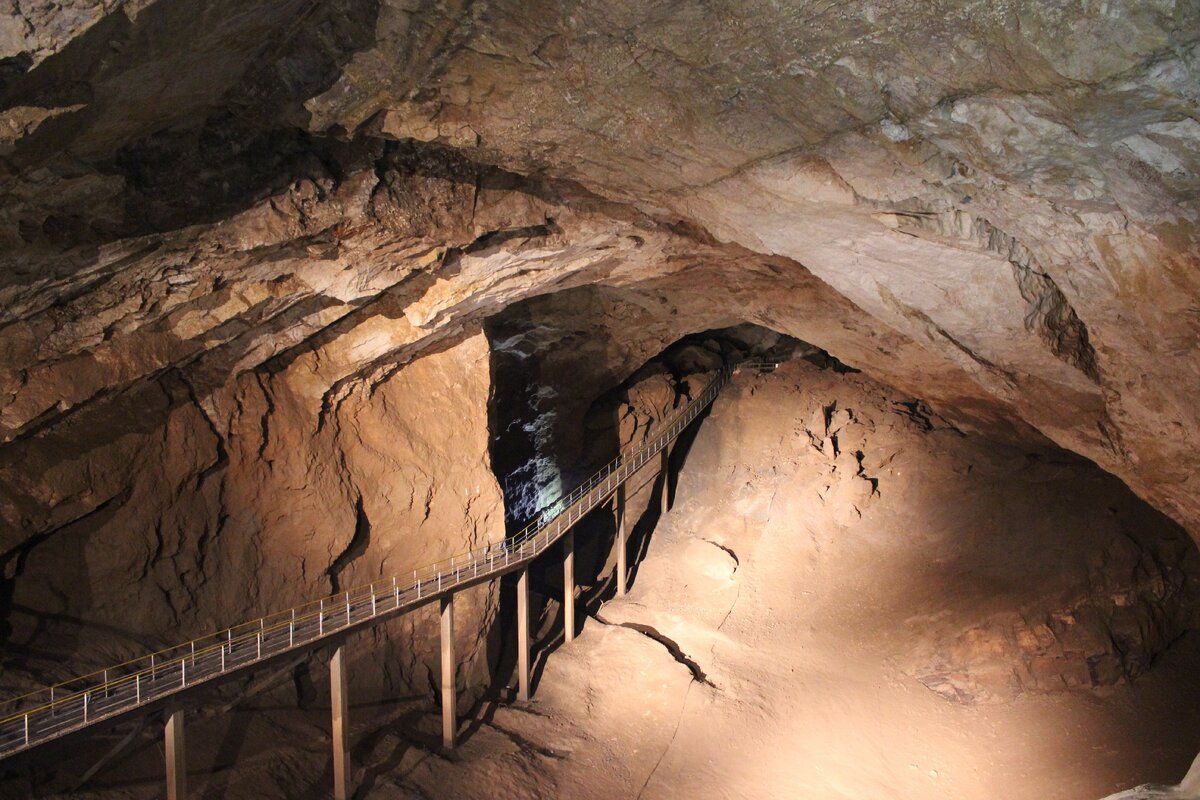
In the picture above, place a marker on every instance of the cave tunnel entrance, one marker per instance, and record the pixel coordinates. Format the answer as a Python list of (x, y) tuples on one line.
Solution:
[(573, 389)]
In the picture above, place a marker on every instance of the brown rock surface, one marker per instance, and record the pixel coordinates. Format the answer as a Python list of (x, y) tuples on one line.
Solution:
[(248, 251), (1009, 211), (759, 652)]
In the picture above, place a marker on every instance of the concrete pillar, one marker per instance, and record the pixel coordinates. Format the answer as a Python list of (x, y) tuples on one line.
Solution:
[(569, 586), (176, 747), (665, 470), (449, 695), (523, 634), (340, 703), (622, 545)]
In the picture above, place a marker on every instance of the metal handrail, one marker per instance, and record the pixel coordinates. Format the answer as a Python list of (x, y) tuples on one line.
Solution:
[(73, 704)]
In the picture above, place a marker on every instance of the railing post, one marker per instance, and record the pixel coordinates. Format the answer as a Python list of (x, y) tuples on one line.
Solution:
[(137, 688), (622, 546), (523, 634), (372, 599), (27, 730), (569, 586), (173, 738), (396, 590), (339, 700), (347, 608), (86, 695), (449, 695), (292, 630), (666, 480), (321, 618)]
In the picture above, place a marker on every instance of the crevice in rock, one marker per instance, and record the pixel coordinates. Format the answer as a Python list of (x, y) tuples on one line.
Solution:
[(12, 562), (499, 237), (1052, 317), (222, 454), (862, 473), (264, 420), (924, 417), (1048, 314), (729, 552), (358, 545), (670, 645)]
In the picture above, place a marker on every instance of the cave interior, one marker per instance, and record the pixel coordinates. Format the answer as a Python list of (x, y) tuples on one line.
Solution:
[(298, 296)]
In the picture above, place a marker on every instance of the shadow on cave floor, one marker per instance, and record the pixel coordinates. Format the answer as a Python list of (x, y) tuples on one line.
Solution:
[(547, 439)]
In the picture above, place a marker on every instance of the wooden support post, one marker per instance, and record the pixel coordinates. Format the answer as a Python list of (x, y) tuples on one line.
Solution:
[(523, 634), (340, 702), (622, 545), (665, 470), (569, 586), (449, 696), (176, 747)]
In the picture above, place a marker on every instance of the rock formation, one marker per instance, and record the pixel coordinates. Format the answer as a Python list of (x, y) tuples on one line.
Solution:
[(274, 275)]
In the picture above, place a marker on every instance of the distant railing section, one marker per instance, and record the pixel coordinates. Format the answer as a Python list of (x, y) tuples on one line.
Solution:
[(46, 714)]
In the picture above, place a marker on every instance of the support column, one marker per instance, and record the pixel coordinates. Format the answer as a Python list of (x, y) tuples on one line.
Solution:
[(449, 696), (340, 702), (523, 634), (665, 469), (176, 747), (569, 586), (622, 546)]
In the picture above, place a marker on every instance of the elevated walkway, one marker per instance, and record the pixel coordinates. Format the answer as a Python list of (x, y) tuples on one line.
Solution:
[(157, 682)]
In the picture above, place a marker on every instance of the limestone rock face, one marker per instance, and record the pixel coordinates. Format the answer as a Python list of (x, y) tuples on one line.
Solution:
[(830, 539), (237, 238), (248, 503), (1136, 601), (1019, 201), (1005, 616), (1001, 199)]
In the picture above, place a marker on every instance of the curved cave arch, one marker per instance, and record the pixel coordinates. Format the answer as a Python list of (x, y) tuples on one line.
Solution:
[(289, 290)]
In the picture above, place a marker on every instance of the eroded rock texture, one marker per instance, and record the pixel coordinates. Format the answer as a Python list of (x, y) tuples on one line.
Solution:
[(247, 249)]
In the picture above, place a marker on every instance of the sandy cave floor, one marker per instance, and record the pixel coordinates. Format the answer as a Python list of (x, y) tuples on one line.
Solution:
[(794, 620)]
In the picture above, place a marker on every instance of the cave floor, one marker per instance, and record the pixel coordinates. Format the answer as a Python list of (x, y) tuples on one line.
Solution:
[(768, 646), (791, 622)]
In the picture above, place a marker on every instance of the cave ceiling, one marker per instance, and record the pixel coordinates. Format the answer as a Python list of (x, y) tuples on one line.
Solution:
[(991, 206)]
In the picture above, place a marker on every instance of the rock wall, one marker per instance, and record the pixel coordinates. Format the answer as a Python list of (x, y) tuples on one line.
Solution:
[(227, 226), (1006, 210), (1029, 571), (199, 513)]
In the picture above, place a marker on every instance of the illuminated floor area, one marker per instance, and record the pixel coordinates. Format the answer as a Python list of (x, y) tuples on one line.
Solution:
[(797, 625), (776, 636)]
